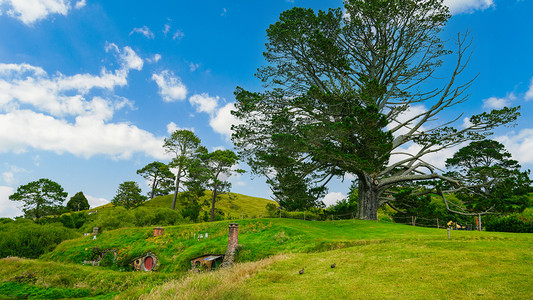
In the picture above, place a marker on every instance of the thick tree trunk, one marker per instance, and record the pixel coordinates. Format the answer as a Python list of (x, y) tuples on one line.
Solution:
[(368, 203)]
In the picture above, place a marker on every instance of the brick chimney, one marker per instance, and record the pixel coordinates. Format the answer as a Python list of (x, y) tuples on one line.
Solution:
[(233, 243), (158, 231)]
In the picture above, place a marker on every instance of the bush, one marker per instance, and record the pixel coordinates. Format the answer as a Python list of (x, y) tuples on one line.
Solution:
[(307, 215), (24, 238), (511, 223), (157, 216)]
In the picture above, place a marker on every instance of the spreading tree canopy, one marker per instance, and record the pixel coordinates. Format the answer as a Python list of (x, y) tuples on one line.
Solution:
[(184, 145), (212, 172), (40, 198), (159, 177), (490, 181), (339, 86)]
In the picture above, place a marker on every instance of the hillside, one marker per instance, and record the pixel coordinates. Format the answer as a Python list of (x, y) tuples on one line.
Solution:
[(378, 260), (234, 206)]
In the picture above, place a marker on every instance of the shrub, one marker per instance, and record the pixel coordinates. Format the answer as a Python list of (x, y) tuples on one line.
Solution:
[(24, 238), (511, 223), (157, 216)]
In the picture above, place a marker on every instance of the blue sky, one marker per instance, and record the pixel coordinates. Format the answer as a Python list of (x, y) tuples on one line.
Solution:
[(89, 88)]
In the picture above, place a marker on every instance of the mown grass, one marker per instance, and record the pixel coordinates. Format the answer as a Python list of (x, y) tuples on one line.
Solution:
[(374, 260)]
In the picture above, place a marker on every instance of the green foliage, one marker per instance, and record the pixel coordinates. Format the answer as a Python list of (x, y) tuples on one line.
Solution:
[(347, 207), (521, 223), (128, 195), (185, 147), (211, 171), (40, 198), (24, 238), (490, 179), (78, 202), (159, 177), (335, 90)]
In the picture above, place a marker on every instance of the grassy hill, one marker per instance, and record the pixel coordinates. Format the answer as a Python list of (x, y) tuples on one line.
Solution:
[(233, 205), (374, 260)]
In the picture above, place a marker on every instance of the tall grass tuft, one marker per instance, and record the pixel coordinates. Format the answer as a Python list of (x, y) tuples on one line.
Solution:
[(225, 283)]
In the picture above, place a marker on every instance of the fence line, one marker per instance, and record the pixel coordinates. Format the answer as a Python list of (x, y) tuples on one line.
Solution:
[(409, 220)]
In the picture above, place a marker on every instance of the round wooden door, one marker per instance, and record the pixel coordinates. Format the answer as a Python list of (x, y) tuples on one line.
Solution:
[(148, 263)]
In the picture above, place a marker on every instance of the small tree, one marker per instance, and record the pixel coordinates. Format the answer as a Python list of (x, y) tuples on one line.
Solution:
[(490, 181), (159, 177), (184, 145), (78, 202), (213, 172), (40, 198), (128, 195)]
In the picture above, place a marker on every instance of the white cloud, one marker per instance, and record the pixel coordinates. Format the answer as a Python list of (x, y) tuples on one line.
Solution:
[(467, 6), (519, 145), (61, 95), (332, 198), (8, 208), (144, 31), (95, 201), (154, 59), (47, 100), (222, 121), (466, 122), (529, 93), (437, 159), (171, 127), (30, 11), (204, 103), (170, 86), (80, 4), (86, 137), (193, 67), (218, 148), (9, 175), (405, 116), (166, 30), (131, 60), (498, 103), (224, 11), (178, 35)]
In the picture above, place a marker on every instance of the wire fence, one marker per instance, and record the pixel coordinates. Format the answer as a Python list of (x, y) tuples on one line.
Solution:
[(407, 220)]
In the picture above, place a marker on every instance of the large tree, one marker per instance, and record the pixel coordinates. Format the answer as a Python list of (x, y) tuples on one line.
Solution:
[(345, 85), (159, 177), (184, 145), (490, 180), (40, 198), (128, 195)]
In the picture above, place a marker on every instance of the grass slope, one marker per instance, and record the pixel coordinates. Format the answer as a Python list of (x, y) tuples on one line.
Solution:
[(236, 206), (374, 260)]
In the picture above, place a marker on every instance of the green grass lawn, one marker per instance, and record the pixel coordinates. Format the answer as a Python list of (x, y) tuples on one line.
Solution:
[(374, 261)]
